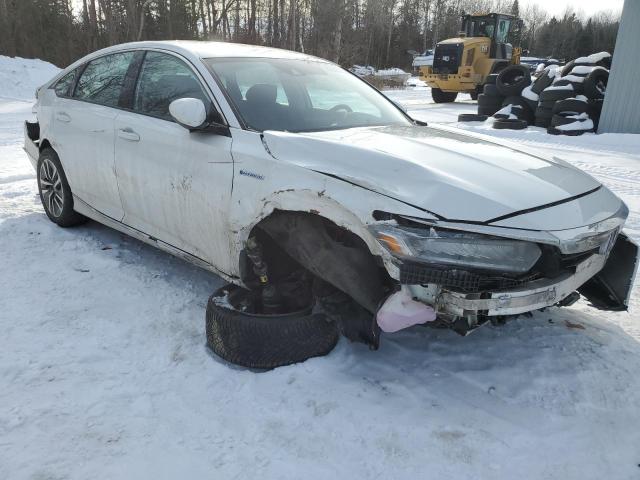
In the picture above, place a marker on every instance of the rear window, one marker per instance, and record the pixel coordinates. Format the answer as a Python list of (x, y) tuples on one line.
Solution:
[(103, 80), (63, 85)]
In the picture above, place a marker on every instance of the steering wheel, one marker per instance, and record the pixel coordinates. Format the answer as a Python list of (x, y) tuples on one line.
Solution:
[(339, 107)]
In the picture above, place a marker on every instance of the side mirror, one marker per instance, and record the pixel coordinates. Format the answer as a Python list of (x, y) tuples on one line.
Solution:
[(189, 112), (192, 114)]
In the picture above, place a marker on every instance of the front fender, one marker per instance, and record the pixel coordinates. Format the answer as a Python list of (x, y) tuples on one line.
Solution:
[(316, 203)]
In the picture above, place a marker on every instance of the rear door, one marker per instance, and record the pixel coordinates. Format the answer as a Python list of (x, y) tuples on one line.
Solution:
[(175, 185), (83, 131)]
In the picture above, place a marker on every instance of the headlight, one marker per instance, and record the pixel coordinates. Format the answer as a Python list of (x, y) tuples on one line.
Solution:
[(457, 249)]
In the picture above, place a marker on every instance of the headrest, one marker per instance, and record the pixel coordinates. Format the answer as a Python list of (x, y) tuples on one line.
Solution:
[(262, 93)]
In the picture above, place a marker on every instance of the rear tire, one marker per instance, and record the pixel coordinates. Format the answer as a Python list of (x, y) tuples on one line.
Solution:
[(443, 97), (54, 190), (264, 341)]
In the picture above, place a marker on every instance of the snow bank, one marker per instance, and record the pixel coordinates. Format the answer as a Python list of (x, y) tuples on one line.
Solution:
[(415, 82), (19, 77), (366, 70), (390, 71), (362, 70)]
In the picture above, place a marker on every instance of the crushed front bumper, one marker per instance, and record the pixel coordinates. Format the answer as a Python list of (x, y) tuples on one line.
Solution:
[(31, 141), (534, 296), (604, 279)]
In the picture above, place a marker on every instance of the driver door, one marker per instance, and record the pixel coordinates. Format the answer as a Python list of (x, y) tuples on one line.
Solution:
[(175, 185)]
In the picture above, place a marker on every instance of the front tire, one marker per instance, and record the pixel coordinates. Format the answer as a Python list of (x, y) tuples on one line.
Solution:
[(55, 193), (443, 97), (264, 341)]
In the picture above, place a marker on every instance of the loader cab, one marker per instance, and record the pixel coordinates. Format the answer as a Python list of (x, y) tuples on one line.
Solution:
[(495, 26)]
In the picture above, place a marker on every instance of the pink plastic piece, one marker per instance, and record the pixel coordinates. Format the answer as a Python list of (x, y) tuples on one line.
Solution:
[(401, 311)]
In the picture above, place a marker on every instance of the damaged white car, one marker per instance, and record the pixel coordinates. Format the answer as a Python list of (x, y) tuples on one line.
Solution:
[(325, 206)]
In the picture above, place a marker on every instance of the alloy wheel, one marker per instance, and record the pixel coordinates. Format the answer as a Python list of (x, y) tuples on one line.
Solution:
[(51, 188)]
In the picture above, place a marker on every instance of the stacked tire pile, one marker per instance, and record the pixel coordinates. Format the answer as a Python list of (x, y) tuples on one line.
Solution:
[(571, 97), (564, 100), (502, 98)]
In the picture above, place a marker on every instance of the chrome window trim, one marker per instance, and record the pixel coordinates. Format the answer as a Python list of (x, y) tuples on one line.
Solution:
[(208, 86)]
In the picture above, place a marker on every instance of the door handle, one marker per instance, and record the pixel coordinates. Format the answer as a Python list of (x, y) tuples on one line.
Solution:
[(128, 134), (63, 117)]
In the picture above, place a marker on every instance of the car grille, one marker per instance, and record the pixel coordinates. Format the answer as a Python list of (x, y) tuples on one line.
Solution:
[(460, 280), (550, 265), (447, 58)]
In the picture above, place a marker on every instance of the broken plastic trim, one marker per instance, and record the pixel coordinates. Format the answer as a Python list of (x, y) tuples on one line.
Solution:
[(611, 287)]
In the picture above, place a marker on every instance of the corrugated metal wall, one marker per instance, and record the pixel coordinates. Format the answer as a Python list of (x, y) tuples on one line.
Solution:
[(621, 110)]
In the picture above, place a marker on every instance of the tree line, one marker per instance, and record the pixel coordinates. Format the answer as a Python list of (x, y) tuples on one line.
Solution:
[(371, 32)]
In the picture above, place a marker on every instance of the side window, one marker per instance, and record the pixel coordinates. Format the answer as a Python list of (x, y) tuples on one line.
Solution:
[(63, 85), (163, 79), (503, 31), (103, 79)]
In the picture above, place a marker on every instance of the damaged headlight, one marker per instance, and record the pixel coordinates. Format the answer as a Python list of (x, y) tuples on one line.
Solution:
[(457, 249)]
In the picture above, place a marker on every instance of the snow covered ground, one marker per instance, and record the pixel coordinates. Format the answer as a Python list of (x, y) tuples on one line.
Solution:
[(104, 372)]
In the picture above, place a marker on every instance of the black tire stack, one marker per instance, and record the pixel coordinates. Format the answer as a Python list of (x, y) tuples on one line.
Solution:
[(490, 100), (570, 111), (571, 103), (564, 100), (515, 112), (548, 99)]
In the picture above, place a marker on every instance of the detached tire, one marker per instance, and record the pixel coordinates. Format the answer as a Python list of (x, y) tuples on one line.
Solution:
[(513, 79), (595, 85), (264, 341), (542, 82), (491, 90), (491, 79), (555, 95), (471, 117), (570, 105), (509, 124)]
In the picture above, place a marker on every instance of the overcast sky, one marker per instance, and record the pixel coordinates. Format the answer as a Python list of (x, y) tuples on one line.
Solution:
[(556, 7)]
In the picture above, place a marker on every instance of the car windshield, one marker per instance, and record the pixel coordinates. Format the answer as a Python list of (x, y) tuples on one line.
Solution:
[(301, 95)]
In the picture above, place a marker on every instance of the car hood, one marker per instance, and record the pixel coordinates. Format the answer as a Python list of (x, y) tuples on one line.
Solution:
[(455, 175)]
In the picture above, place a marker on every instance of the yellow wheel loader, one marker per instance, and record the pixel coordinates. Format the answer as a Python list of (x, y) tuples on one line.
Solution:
[(463, 64)]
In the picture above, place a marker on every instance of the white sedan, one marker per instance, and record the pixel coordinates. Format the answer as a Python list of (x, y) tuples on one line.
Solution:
[(297, 181)]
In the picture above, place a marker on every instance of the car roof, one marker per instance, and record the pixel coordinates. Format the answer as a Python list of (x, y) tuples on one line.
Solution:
[(194, 50), (203, 49)]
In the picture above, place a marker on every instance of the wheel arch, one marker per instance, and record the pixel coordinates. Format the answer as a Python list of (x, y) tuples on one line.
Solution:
[(303, 221), (44, 144)]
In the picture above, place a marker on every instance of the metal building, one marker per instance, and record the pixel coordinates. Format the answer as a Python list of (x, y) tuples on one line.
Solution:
[(621, 109)]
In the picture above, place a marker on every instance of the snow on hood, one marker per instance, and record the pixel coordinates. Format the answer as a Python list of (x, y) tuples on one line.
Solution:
[(457, 176)]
